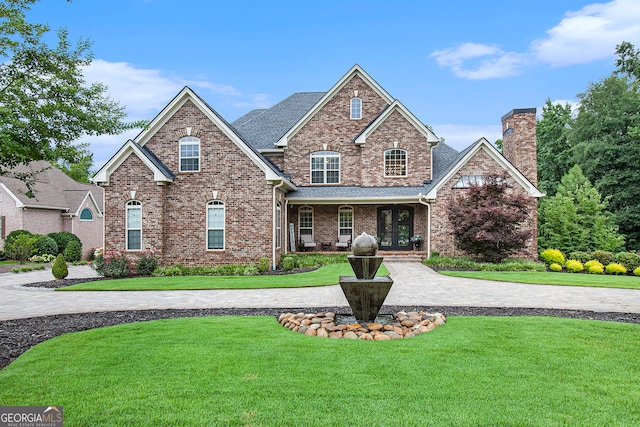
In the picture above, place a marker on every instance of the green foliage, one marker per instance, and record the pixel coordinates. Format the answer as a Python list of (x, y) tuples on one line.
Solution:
[(468, 263), (636, 272), (264, 265), (312, 260), (604, 257), (20, 247), (574, 266), (487, 219), (287, 263), (629, 259), (615, 268), (551, 256), (555, 267), (62, 239), (594, 267), (46, 103), (112, 264), (580, 256), (27, 269), (576, 219), (219, 270), (73, 251), (15, 233), (43, 258), (59, 269), (80, 168), (146, 263), (553, 145), (628, 61), (45, 245)]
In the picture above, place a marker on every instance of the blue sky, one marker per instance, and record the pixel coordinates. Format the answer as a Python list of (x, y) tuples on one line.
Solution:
[(457, 65)]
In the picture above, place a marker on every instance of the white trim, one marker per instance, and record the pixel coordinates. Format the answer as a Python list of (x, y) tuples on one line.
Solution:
[(483, 144), (92, 200), (359, 108), (430, 137), (324, 155), (19, 204), (192, 140), (129, 147), (224, 225), (307, 208), (356, 70), (347, 208), (406, 163), (86, 220), (127, 207)]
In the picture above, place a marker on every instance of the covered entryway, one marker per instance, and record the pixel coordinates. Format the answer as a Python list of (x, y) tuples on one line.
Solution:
[(395, 228)]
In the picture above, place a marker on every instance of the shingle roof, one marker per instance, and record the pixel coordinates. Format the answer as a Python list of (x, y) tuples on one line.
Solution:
[(53, 189), (356, 192), (153, 159), (261, 129)]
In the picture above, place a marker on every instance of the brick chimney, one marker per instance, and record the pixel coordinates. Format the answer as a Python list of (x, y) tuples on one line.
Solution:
[(519, 141)]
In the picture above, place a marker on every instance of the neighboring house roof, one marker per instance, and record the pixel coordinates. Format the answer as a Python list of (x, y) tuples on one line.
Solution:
[(52, 188), (161, 173), (356, 70), (263, 128)]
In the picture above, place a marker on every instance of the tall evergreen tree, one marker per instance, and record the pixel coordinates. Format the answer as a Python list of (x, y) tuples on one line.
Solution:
[(554, 147)]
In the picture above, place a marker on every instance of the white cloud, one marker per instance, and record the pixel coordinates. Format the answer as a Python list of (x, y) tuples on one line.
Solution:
[(590, 34), (586, 35), (461, 136), (494, 63)]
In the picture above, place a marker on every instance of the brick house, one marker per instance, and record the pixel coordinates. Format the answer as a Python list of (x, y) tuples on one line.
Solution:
[(60, 204), (313, 167)]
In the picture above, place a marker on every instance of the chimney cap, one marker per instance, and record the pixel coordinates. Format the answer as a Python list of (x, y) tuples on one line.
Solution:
[(518, 111)]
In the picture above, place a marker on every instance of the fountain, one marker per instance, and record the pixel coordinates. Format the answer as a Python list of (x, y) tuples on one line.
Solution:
[(365, 292)]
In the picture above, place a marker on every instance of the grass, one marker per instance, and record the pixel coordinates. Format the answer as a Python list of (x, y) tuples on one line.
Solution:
[(551, 278), (325, 275), (249, 371)]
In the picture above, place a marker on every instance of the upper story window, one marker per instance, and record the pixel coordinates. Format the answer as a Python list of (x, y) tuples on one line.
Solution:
[(86, 215), (356, 108), (325, 167), (395, 162), (189, 154), (134, 226), (215, 225)]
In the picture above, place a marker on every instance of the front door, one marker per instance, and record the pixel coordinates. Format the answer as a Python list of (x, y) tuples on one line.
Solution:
[(395, 227)]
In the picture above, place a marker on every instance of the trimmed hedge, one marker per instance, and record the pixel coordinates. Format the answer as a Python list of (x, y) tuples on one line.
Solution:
[(551, 256)]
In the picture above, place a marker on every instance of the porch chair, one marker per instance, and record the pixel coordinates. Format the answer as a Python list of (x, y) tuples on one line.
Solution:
[(306, 241), (344, 241)]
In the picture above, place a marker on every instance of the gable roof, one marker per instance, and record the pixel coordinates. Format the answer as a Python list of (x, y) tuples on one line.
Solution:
[(161, 173), (356, 70), (53, 189), (468, 153)]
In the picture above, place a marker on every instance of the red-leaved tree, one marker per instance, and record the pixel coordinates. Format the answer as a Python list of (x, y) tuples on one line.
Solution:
[(487, 220)]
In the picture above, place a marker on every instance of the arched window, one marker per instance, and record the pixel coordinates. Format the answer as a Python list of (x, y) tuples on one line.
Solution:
[(278, 225), (86, 215), (215, 225), (395, 162), (325, 167), (356, 108), (189, 154), (134, 226), (305, 221), (345, 221)]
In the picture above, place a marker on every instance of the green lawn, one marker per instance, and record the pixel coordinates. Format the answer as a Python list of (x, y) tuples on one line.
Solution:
[(249, 371), (551, 278), (325, 275)]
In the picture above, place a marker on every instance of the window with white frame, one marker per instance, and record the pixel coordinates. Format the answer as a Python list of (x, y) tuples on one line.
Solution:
[(305, 221), (189, 154), (325, 167), (356, 108), (395, 162), (134, 225), (215, 225), (278, 225), (86, 215), (345, 221)]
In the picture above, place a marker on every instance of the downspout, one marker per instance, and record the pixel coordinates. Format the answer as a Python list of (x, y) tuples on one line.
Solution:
[(273, 226), (423, 200)]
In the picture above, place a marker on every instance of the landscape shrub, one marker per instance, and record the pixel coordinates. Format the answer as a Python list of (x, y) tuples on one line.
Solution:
[(593, 262), (551, 256), (615, 268), (62, 239), (594, 267), (636, 272), (45, 245), (147, 263), (42, 258), (20, 247), (218, 270), (468, 263), (264, 265), (287, 263), (73, 251), (605, 257), (112, 264), (555, 267), (59, 269), (15, 233), (580, 256), (574, 266), (629, 259)]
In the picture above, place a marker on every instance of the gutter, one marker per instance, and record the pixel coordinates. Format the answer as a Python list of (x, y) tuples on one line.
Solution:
[(273, 226), (424, 201)]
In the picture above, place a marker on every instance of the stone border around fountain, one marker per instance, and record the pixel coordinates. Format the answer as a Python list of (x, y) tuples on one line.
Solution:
[(322, 325)]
